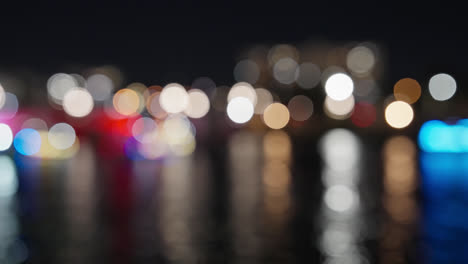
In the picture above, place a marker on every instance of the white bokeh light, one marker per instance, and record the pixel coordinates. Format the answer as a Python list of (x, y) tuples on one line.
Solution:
[(199, 104), (8, 178), (285, 70), (78, 102), (174, 98), (100, 86), (59, 85), (61, 136), (340, 149), (245, 90), (143, 127), (240, 110), (340, 198), (6, 137), (339, 86), (442, 86)]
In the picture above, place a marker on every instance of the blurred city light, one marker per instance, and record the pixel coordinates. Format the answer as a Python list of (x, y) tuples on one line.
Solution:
[(27, 141), (442, 87), (399, 114), (61, 136), (199, 104), (240, 110), (78, 102), (174, 98), (6, 137), (407, 90), (276, 116), (339, 86)]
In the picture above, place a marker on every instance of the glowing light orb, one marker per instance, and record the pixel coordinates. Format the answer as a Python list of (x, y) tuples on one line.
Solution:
[(154, 107), (240, 110), (407, 90), (174, 98), (442, 87), (399, 114), (61, 136), (243, 89), (126, 102), (360, 60), (10, 106), (100, 86), (300, 107), (264, 99), (339, 86), (309, 75), (246, 71), (340, 149), (78, 103), (35, 123), (340, 198), (6, 137), (364, 114), (27, 141), (199, 104), (276, 116), (142, 127), (59, 85), (285, 71), (339, 109)]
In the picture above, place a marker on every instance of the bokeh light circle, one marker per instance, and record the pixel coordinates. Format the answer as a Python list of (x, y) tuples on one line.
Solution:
[(442, 86), (100, 86), (364, 114), (27, 141), (285, 70), (142, 127), (300, 107), (407, 90), (276, 116), (59, 85), (360, 60), (309, 75), (6, 137), (126, 102), (340, 198), (245, 90), (399, 114), (78, 103), (199, 104), (61, 136), (264, 99), (246, 71), (10, 106), (339, 86), (339, 109), (174, 98), (240, 110)]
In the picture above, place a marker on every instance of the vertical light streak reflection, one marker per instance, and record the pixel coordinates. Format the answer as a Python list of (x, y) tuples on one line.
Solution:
[(444, 186), (276, 190), (80, 205), (399, 182), (12, 250), (244, 168), (176, 206), (342, 216)]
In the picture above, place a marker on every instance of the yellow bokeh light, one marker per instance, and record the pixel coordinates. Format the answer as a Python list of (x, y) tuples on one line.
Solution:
[(276, 116), (126, 102), (407, 90), (277, 146), (399, 114)]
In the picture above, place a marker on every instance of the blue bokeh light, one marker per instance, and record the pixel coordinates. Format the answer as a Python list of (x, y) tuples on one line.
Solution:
[(27, 141), (438, 136)]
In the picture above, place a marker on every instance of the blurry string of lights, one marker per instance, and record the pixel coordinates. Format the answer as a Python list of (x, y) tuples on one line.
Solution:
[(160, 119)]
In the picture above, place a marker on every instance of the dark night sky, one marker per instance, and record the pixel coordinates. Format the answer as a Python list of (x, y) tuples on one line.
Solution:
[(156, 42)]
